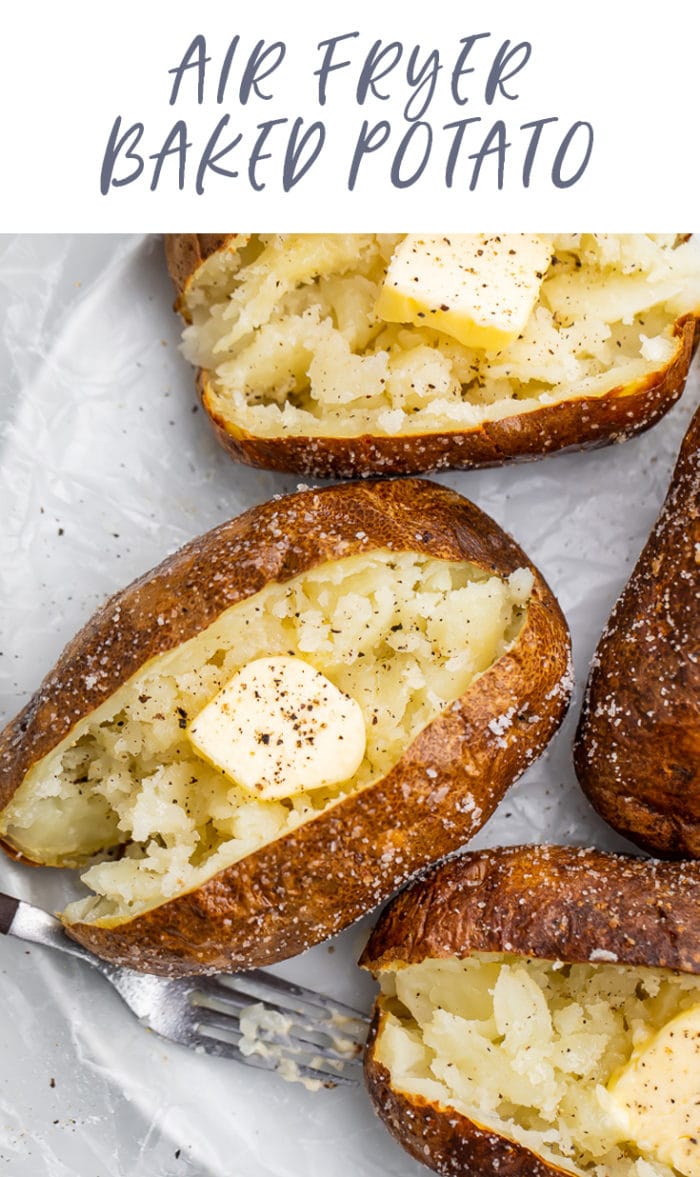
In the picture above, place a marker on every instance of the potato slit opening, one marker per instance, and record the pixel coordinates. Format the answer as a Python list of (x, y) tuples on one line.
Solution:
[(527, 1047), (401, 633), (294, 347)]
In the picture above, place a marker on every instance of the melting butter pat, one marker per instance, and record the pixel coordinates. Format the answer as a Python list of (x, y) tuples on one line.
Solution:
[(655, 1098), (279, 728), (479, 289)]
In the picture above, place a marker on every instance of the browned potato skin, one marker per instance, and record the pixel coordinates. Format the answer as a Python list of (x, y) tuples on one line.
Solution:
[(185, 253), (637, 751), (576, 901), (296, 891), (586, 423)]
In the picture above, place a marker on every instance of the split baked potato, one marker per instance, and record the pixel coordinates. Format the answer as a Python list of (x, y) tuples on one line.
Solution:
[(412, 609), (637, 750), (343, 355), (540, 1014)]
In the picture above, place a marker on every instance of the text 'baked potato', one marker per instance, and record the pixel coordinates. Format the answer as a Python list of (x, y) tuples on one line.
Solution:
[(398, 602), (348, 354), (637, 751), (540, 1014)]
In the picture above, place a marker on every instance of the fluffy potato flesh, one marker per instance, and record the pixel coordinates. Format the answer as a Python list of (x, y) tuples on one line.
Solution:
[(288, 329), (526, 1048), (126, 794)]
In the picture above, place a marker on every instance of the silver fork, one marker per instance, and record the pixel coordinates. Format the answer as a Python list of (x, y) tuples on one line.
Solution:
[(254, 1018)]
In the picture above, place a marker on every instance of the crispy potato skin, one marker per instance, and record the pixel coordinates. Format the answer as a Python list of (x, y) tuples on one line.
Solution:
[(585, 423), (637, 751), (185, 253), (576, 902), (296, 891)]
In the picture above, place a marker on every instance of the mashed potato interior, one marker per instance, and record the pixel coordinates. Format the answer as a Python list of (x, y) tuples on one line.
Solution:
[(526, 1047), (287, 328), (401, 633)]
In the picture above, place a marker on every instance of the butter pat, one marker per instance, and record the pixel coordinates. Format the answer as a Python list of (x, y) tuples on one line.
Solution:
[(479, 289), (279, 728), (655, 1098)]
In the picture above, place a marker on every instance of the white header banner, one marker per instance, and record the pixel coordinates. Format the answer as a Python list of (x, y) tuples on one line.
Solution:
[(317, 117)]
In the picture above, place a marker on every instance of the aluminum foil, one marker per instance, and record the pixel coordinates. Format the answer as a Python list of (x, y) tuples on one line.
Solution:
[(107, 465)]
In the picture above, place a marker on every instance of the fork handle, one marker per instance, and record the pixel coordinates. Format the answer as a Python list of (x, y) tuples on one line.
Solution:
[(8, 910), (28, 922)]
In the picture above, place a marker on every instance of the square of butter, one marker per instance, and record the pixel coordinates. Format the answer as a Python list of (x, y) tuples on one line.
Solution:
[(479, 288)]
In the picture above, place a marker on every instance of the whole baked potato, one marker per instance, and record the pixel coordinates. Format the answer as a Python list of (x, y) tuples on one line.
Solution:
[(351, 354), (637, 750), (262, 738), (540, 1014)]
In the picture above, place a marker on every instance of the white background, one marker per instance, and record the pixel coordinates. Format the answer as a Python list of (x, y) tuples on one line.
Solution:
[(69, 69)]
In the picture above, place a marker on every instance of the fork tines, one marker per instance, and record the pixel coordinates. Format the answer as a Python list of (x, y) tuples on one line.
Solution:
[(278, 1026)]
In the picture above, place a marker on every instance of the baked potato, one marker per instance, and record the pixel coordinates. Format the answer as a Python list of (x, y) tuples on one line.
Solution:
[(133, 761), (540, 1014), (344, 355), (637, 750)]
